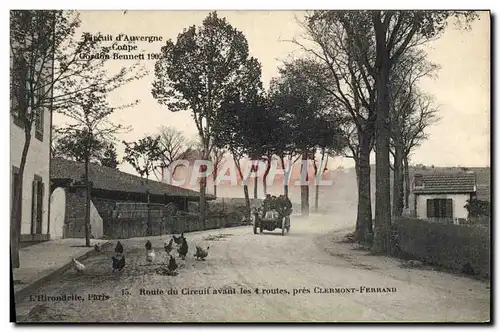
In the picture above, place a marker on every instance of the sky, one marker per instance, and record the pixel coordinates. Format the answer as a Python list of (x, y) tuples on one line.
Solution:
[(461, 90)]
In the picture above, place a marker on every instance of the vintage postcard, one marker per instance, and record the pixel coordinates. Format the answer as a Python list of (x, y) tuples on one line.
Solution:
[(250, 166)]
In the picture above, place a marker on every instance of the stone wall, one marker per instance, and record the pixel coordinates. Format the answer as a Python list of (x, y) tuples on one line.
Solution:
[(129, 219), (74, 221)]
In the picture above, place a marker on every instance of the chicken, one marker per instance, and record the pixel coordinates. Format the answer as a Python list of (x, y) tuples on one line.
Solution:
[(79, 267), (148, 246), (169, 270), (201, 253), (119, 248), (178, 240), (118, 262), (183, 250), (97, 248), (150, 256), (172, 264), (169, 246)]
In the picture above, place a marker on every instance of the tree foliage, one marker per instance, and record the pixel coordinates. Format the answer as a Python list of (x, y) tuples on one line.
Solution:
[(204, 66), (144, 154), (234, 128), (305, 108), (412, 110), (109, 157), (54, 63), (51, 70), (478, 208), (90, 127), (74, 145), (174, 145), (374, 42), (199, 71)]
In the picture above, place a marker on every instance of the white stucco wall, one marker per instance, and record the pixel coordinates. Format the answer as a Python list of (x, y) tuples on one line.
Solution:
[(95, 222), (459, 201), (57, 213), (37, 163)]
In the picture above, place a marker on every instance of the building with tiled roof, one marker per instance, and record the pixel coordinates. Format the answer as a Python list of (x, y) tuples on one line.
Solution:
[(109, 180), (445, 183), (115, 195), (443, 196)]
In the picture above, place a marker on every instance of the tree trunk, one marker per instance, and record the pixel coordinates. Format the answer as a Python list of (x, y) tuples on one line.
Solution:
[(247, 203), (255, 187), (87, 203), (357, 230), (398, 182), (285, 177), (316, 179), (364, 218), (316, 199), (203, 187), (16, 215), (304, 188), (382, 136), (16, 221), (215, 173), (264, 177), (150, 226), (407, 181)]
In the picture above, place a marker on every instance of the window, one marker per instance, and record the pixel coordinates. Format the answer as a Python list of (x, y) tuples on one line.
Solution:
[(37, 205), (440, 208)]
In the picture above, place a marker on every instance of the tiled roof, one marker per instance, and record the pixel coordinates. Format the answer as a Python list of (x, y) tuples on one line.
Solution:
[(106, 178), (447, 183)]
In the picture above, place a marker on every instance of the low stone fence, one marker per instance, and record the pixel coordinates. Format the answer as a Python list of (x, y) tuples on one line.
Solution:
[(121, 219), (137, 227)]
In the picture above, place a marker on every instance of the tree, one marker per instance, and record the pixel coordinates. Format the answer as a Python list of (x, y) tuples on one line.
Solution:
[(378, 40), (110, 157), (196, 72), (217, 158), (284, 146), (332, 144), (47, 74), (404, 97), (307, 110), (422, 114), (74, 148), (234, 131), (175, 146), (396, 32), (352, 91), (144, 156), (478, 208), (84, 139)]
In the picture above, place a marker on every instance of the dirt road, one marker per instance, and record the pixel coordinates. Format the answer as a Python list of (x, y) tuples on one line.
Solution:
[(303, 277)]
